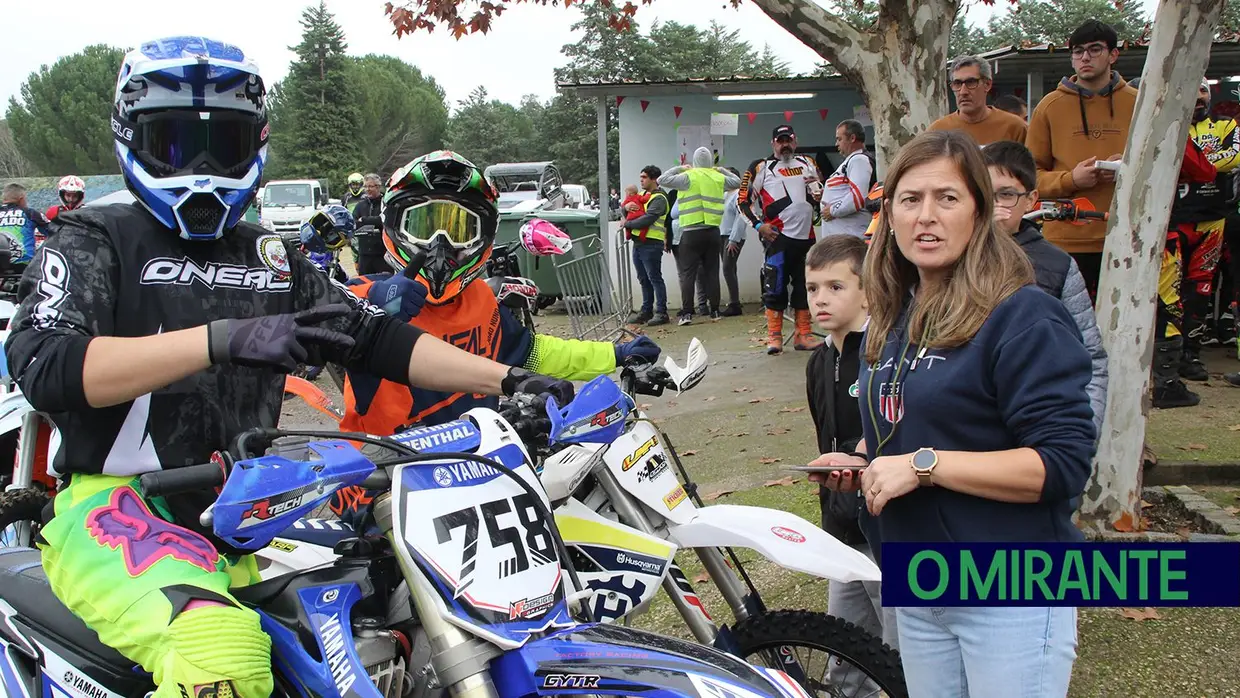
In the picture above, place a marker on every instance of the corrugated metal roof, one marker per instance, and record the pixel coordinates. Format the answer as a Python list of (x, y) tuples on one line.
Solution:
[(679, 81)]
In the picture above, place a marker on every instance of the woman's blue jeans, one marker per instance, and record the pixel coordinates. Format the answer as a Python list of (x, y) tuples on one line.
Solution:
[(1010, 652)]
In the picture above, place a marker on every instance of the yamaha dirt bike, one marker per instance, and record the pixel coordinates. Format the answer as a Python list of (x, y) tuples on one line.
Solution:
[(624, 513), (469, 591)]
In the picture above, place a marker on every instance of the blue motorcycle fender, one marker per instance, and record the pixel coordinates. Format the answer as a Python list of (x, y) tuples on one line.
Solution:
[(609, 659)]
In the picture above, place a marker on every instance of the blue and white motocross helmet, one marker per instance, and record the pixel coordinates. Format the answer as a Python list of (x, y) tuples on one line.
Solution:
[(190, 123)]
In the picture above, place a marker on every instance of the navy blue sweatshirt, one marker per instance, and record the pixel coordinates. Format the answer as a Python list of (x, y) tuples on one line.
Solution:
[(1020, 382)]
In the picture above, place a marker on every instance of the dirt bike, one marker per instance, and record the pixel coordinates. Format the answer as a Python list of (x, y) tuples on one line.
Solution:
[(25, 441), (513, 291), (470, 594), (1076, 211), (625, 505)]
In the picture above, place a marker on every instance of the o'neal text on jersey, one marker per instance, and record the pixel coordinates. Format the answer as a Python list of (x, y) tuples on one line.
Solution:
[(184, 271)]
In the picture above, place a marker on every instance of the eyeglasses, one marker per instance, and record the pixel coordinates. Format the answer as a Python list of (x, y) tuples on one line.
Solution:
[(969, 83), (1094, 50), (1008, 197)]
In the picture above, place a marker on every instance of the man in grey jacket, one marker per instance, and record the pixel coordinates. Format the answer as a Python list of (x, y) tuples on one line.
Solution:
[(699, 242), (1013, 175)]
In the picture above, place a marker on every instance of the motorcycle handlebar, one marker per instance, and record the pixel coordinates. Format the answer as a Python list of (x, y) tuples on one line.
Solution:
[(191, 478)]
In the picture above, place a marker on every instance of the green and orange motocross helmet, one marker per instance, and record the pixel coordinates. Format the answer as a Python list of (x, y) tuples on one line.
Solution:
[(440, 209)]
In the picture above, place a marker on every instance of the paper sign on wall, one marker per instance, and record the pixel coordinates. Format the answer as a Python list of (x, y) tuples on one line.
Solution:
[(690, 138), (723, 124)]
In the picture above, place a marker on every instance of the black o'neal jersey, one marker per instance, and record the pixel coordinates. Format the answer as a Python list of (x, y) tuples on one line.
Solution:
[(114, 271)]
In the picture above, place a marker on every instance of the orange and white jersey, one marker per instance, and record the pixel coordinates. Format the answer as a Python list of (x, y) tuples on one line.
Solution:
[(843, 196)]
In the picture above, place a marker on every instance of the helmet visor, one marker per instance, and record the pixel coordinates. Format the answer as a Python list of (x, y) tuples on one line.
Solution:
[(179, 142), (420, 223)]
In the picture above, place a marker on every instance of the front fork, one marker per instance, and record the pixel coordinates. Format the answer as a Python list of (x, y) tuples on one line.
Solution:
[(461, 661), (675, 583)]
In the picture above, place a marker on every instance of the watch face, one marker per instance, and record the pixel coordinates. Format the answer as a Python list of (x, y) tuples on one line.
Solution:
[(923, 459)]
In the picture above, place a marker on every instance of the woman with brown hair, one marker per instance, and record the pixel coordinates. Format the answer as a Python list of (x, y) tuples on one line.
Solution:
[(975, 416)]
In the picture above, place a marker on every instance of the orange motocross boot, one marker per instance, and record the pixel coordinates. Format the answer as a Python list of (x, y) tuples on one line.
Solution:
[(805, 339), (774, 331)]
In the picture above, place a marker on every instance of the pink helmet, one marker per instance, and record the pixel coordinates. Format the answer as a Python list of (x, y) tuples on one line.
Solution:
[(541, 239)]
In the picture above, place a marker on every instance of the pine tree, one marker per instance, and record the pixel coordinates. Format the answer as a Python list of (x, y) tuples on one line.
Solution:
[(319, 113)]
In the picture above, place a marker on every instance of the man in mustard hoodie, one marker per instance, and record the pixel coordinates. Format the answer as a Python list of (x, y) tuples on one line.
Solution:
[(1084, 120)]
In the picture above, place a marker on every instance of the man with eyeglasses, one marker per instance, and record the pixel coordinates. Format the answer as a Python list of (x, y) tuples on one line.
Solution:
[(970, 82), (1086, 119)]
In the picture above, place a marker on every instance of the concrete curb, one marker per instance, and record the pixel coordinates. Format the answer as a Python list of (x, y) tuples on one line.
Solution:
[(1221, 526), (1207, 514)]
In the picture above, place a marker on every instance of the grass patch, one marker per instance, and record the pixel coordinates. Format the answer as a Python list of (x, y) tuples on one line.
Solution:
[(1178, 435)]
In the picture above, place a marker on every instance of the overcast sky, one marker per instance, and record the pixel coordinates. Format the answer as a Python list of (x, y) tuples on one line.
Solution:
[(516, 58)]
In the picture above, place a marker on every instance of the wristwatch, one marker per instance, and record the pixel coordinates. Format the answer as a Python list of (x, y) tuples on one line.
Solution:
[(924, 461)]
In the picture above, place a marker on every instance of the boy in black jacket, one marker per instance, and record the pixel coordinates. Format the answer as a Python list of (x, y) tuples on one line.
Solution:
[(837, 301)]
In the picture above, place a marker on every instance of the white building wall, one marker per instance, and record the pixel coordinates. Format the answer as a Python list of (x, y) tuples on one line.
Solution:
[(649, 138)]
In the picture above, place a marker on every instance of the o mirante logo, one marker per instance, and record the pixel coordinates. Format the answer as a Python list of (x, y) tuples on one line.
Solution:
[(1061, 574)]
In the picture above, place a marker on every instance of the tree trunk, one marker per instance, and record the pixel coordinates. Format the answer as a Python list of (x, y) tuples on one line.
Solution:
[(898, 64), (1127, 295)]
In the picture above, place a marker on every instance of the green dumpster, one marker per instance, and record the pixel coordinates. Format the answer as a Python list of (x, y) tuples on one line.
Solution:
[(576, 223)]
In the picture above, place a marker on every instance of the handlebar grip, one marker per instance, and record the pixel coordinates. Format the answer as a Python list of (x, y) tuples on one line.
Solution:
[(188, 479), (1097, 215)]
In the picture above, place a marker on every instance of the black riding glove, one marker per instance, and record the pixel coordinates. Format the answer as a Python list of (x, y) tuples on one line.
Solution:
[(520, 380), (276, 341)]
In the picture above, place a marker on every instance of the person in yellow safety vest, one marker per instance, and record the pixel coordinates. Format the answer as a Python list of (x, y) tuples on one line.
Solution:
[(649, 234), (701, 212)]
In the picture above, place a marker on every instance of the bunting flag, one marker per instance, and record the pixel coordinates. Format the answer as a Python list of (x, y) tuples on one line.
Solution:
[(645, 104), (677, 110), (753, 115), (788, 116), (619, 100), (823, 113)]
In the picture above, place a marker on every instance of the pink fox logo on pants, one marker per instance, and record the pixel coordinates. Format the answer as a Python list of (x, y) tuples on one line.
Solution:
[(144, 539)]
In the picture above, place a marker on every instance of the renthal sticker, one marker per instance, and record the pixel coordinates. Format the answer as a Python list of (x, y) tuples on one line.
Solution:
[(641, 451), (788, 534), (675, 497)]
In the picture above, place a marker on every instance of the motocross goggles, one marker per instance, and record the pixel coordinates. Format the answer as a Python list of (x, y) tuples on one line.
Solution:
[(183, 142), (421, 223)]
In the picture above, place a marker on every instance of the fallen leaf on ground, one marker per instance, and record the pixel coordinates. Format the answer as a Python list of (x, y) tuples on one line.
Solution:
[(1232, 510), (760, 399), (690, 452), (716, 495), (777, 431), (1145, 504), (644, 406), (701, 578), (753, 331), (768, 461), (672, 403), (1183, 531), (742, 389), (1234, 427), (1140, 614), (741, 433), (1193, 447), (712, 398), (793, 409), (712, 430), (781, 482)]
